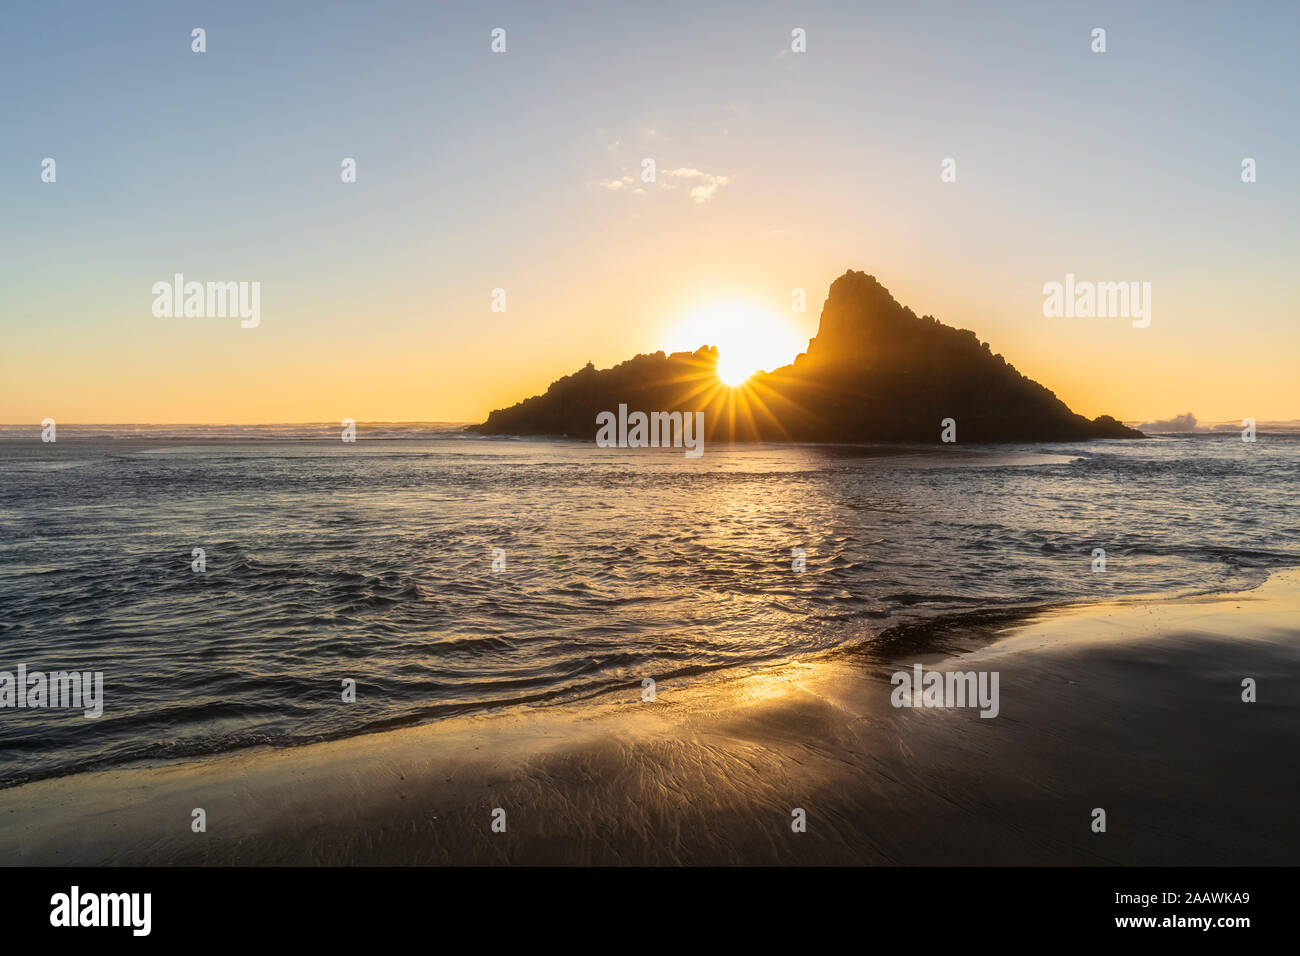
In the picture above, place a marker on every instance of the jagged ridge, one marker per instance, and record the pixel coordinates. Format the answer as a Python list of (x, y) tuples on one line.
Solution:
[(875, 372)]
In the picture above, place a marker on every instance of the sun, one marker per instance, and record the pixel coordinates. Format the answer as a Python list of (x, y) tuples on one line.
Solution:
[(733, 371), (749, 339)]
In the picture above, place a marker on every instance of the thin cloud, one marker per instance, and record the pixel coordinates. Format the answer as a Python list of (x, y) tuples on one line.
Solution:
[(702, 186), (699, 186)]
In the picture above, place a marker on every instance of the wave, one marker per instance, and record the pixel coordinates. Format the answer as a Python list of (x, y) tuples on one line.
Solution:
[(299, 431)]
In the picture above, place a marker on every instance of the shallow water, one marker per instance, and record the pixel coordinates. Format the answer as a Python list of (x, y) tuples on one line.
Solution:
[(372, 561)]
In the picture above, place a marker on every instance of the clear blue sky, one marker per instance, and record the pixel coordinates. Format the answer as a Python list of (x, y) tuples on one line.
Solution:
[(478, 171)]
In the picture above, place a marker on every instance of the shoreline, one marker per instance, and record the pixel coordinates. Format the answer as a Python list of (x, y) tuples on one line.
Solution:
[(1130, 705), (950, 632)]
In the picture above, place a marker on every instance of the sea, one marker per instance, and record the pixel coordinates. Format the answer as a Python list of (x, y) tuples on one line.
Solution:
[(235, 586)]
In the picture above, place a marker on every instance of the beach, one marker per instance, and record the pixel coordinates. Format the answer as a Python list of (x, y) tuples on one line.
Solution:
[(1133, 706)]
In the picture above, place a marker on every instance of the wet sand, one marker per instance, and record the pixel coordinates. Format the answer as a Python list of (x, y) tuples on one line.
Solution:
[(1131, 706)]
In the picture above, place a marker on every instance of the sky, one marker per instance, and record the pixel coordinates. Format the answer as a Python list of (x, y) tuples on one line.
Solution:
[(775, 171)]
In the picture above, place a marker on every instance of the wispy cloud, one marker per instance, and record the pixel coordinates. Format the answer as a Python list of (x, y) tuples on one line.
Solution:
[(614, 185), (701, 186)]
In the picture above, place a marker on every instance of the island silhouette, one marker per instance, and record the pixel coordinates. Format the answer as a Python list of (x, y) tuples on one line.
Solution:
[(875, 372)]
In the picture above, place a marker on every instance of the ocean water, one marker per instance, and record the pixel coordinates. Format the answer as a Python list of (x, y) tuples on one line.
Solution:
[(373, 561)]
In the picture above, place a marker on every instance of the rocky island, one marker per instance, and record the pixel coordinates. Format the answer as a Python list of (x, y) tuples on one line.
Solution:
[(875, 372)]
